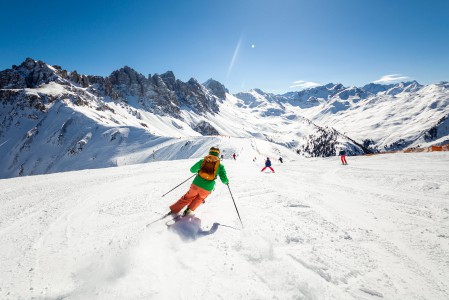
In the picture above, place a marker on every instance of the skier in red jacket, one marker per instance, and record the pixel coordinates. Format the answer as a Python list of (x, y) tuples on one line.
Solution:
[(342, 154)]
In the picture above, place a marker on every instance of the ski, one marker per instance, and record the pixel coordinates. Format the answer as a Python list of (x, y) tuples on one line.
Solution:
[(158, 219)]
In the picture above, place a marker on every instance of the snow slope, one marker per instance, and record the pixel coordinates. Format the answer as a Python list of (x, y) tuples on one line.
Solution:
[(376, 228), (66, 136)]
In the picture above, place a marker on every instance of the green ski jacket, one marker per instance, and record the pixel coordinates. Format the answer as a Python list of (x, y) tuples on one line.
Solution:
[(208, 185)]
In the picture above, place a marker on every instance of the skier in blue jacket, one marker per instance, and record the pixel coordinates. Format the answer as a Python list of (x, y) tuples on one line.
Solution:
[(267, 165)]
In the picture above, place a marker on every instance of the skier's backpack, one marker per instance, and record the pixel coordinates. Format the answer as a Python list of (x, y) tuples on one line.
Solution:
[(209, 167)]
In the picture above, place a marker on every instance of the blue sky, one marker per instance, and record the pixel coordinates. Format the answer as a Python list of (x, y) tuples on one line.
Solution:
[(275, 45)]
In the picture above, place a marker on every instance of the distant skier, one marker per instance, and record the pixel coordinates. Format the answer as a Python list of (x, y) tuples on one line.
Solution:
[(281, 160), (267, 165), (221, 157), (234, 156), (207, 168), (254, 159), (342, 154)]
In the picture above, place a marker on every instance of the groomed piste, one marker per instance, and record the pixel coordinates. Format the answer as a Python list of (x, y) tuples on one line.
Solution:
[(376, 228)]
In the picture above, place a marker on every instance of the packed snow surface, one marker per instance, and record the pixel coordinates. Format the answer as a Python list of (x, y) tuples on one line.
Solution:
[(376, 228)]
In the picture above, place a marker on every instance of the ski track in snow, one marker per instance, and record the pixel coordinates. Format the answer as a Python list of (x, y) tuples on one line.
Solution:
[(376, 228)]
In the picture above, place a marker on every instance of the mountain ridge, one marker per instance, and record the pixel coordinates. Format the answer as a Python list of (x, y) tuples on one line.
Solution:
[(54, 120)]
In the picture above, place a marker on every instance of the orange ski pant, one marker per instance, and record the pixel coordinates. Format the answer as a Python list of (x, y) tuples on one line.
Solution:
[(343, 159), (193, 198)]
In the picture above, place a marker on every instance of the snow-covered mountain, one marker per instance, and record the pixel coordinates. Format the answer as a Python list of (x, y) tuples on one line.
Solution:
[(382, 117), (391, 117), (53, 120)]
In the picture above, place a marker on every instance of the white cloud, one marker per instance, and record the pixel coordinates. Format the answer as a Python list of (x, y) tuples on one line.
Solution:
[(301, 84), (391, 78)]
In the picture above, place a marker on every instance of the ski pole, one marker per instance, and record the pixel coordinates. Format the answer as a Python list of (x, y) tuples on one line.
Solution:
[(178, 185), (235, 205)]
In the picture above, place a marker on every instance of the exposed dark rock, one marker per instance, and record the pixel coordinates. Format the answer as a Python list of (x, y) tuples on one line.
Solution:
[(437, 131), (161, 98), (216, 88), (29, 74), (161, 94), (321, 144), (81, 80), (169, 79), (193, 95), (398, 145), (324, 143), (205, 128)]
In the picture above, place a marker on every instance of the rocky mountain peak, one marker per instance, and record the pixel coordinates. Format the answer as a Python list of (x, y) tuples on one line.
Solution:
[(193, 82), (162, 94), (333, 87), (169, 75), (412, 86), (169, 79), (216, 88), (126, 76), (30, 63), (375, 88), (166, 80), (29, 74), (409, 86), (259, 91), (194, 95)]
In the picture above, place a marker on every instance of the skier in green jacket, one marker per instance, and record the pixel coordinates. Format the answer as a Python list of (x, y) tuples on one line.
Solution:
[(207, 168)]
